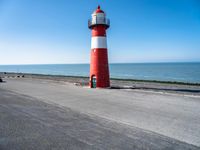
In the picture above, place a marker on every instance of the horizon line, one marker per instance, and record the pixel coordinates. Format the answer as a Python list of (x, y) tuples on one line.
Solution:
[(109, 63)]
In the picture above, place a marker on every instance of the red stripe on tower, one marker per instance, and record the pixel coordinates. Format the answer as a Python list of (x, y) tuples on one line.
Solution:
[(99, 69)]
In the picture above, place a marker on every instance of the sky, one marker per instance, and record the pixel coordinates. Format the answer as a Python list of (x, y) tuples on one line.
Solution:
[(56, 31)]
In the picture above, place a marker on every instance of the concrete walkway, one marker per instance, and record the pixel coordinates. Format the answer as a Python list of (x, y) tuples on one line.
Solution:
[(170, 115)]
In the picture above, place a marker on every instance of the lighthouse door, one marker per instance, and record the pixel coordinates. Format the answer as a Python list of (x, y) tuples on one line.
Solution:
[(94, 82)]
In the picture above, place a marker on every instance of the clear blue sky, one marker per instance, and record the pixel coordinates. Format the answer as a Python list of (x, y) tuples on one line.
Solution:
[(55, 31)]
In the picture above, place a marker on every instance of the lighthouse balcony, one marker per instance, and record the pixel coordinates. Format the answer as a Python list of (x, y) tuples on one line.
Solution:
[(94, 22)]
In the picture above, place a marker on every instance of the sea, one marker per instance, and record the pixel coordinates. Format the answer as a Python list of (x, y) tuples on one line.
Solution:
[(178, 72)]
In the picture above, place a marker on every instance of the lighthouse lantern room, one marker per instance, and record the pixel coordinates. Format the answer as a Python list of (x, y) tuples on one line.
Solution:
[(99, 68)]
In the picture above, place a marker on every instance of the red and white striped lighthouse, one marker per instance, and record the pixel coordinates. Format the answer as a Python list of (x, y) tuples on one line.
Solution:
[(99, 69)]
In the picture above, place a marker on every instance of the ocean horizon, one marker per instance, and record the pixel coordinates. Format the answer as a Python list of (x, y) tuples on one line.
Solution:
[(188, 72)]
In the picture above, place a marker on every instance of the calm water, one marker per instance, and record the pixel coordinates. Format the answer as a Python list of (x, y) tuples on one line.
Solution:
[(184, 72)]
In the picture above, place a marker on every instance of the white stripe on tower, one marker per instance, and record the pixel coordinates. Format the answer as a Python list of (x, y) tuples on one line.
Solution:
[(99, 42)]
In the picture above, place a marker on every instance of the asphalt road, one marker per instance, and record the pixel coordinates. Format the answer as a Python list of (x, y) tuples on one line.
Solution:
[(41, 114)]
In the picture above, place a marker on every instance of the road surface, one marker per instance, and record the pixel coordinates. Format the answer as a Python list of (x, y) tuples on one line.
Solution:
[(44, 114)]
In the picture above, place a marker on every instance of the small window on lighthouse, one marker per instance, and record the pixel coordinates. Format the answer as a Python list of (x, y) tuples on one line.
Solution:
[(94, 19), (94, 50), (101, 18)]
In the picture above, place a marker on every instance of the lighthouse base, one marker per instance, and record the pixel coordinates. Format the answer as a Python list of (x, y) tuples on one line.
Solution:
[(96, 83)]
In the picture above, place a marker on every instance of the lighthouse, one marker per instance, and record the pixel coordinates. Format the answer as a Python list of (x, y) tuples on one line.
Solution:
[(99, 68)]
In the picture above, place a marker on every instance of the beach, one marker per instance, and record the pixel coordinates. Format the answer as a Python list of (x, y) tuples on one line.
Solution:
[(62, 112)]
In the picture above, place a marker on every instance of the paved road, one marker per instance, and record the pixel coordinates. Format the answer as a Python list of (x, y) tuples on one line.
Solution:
[(27, 123), (152, 115)]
